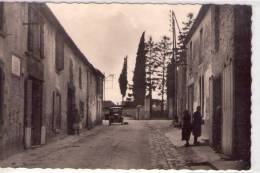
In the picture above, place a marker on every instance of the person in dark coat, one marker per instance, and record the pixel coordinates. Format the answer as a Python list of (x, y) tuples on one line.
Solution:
[(186, 127), (196, 125)]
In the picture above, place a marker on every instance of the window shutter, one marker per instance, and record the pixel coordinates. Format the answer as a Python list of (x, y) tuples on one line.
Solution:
[(61, 54), (30, 30), (41, 38), (59, 60), (1, 15), (80, 78)]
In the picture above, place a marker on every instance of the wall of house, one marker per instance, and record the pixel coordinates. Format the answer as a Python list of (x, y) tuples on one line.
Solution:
[(225, 56), (222, 65), (81, 92), (199, 66), (225, 39), (242, 56), (53, 81), (13, 42), (100, 115), (92, 99), (59, 81), (14, 112), (181, 92)]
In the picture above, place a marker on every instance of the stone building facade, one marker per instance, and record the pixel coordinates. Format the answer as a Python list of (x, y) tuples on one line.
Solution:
[(181, 90), (218, 76), (44, 77)]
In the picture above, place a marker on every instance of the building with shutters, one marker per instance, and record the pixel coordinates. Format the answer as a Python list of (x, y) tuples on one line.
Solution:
[(44, 77), (218, 76)]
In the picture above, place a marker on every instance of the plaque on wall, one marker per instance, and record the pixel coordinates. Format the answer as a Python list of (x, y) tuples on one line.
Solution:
[(16, 65)]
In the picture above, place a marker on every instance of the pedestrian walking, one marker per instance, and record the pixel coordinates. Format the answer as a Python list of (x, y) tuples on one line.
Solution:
[(196, 125), (77, 122), (186, 127)]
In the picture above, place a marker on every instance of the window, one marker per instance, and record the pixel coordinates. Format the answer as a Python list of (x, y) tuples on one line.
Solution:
[(81, 107), (201, 85), (59, 48), (90, 78), (217, 19), (35, 32), (201, 45), (191, 50), (71, 70), (80, 78), (56, 121), (1, 16), (190, 59), (1, 96)]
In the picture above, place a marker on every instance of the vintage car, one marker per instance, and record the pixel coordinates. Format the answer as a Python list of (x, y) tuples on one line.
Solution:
[(115, 115)]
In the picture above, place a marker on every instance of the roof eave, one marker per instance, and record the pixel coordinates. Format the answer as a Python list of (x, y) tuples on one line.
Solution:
[(199, 18)]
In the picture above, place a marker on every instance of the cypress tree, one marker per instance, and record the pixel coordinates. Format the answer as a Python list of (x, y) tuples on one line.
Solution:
[(123, 79), (139, 73)]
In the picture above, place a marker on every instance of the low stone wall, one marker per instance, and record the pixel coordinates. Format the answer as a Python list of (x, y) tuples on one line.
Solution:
[(136, 113)]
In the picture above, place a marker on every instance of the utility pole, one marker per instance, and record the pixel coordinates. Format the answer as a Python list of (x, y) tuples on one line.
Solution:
[(174, 58), (106, 79), (172, 25), (150, 77)]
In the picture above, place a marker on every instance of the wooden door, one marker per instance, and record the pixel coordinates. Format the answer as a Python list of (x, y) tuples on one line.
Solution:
[(56, 117), (36, 119), (227, 105), (190, 98), (70, 109), (215, 112)]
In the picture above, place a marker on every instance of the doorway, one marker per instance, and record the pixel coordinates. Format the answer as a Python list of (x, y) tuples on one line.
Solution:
[(70, 109), (190, 98), (36, 115), (87, 114), (217, 113)]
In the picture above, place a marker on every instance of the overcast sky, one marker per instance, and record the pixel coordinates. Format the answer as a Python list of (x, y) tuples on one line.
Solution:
[(106, 33)]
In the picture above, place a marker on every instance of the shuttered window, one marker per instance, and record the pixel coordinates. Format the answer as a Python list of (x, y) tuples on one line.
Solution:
[(201, 46), (35, 32), (81, 105), (80, 78), (217, 28), (1, 16), (59, 59), (1, 96)]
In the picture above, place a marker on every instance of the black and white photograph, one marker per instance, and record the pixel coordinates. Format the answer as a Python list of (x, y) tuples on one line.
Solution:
[(151, 86)]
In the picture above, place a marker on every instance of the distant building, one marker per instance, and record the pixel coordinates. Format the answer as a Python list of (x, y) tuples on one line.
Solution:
[(44, 77), (218, 76)]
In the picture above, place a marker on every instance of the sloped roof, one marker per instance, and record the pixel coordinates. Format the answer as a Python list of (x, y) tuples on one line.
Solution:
[(52, 18), (199, 18)]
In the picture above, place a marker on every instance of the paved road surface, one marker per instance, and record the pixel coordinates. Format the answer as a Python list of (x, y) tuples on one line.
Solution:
[(116, 146), (151, 144)]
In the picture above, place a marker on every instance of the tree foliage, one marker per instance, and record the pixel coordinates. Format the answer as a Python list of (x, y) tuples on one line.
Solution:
[(182, 36), (123, 79), (164, 58), (139, 73), (180, 55), (150, 66)]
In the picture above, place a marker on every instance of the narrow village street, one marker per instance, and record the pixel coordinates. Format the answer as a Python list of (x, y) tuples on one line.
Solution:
[(126, 86), (152, 144)]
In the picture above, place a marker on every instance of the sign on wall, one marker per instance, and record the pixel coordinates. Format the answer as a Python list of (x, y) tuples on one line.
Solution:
[(16, 65)]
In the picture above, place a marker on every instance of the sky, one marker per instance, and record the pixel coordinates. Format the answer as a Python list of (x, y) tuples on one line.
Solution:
[(106, 33)]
